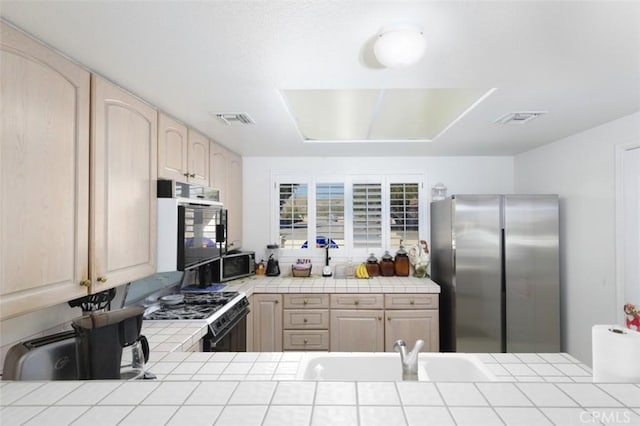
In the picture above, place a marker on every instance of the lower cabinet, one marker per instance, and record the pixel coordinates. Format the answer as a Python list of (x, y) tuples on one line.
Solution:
[(357, 330), (267, 322), (341, 322)]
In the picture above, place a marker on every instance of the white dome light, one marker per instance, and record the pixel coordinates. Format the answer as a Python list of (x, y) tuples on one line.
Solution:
[(399, 47)]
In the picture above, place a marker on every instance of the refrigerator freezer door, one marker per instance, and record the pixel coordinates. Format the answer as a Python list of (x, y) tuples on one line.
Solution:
[(532, 273), (478, 286)]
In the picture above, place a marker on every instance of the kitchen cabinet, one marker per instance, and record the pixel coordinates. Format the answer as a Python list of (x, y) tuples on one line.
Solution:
[(353, 330), (226, 176), (306, 322), (356, 323), (44, 175), (267, 322), (123, 170), (183, 153), (411, 317)]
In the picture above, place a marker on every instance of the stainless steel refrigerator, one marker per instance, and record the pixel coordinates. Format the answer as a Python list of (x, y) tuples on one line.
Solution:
[(496, 260)]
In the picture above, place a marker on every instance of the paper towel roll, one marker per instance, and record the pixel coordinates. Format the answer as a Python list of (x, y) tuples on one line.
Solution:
[(616, 354)]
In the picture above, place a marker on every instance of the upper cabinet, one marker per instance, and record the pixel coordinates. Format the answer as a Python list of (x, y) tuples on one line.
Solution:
[(44, 175), (183, 153), (226, 175), (123, 186)]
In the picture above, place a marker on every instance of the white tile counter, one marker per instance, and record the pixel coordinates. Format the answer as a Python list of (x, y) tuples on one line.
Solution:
[(318, 284), (260, 389)]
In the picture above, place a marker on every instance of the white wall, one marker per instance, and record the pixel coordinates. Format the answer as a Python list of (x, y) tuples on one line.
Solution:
[(459, 174), (581, 169)]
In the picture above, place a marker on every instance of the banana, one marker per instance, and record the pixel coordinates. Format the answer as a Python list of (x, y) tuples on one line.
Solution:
[(361, 271)]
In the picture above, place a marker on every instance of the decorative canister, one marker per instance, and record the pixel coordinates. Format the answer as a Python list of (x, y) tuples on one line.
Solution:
[(387, 268), (372, 266), (402, 264)]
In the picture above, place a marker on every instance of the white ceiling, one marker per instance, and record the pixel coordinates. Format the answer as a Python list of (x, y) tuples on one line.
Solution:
[(580, 61)]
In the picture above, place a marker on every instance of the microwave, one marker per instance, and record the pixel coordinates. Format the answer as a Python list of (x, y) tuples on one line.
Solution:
[(232, 266), (191, 226)]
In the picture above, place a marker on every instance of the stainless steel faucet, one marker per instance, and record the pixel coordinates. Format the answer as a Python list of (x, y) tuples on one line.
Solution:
[(409, 360)]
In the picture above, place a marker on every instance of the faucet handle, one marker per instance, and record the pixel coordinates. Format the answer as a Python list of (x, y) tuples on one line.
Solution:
[(399, 344)]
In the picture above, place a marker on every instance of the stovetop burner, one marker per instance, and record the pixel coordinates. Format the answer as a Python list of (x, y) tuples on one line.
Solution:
[(195, 306)]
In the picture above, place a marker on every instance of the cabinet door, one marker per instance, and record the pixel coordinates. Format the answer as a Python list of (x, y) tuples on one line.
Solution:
[(356, 331), (44, 175), (234, 202), (218, 172), (267, 322), (172, 149), (411, 326), (198, 158), (123, 197)]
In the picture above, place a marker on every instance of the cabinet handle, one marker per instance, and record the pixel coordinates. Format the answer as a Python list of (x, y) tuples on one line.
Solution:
[(85, 283), (304, 302), (192, 175), (102, 280), (388, 318), (186, 174), (356, 302), (304, 320), (411, 302), (379, 318), (305, 341), (276, 302)]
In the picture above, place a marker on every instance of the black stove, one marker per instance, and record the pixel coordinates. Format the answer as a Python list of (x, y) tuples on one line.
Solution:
[(222, 310)]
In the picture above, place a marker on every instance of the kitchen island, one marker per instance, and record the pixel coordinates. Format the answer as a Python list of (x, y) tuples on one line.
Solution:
[(264, 388)]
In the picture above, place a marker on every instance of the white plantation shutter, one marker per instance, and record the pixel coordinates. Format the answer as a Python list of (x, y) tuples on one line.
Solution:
[(330, 213), (367, 215), (403, 213), (293, 215)]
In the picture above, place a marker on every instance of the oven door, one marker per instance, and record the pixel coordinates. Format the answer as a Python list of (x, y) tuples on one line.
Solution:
[(233, 338)]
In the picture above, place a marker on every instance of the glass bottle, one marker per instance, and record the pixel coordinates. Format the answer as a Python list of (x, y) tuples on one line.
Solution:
[(386, 265), (372, 266), (402, 264)]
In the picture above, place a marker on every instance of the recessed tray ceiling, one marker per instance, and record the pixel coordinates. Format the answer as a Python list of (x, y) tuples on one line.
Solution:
[(369, 115)]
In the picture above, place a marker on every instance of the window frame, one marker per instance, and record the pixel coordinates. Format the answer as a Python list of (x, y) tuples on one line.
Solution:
[(346, 250)]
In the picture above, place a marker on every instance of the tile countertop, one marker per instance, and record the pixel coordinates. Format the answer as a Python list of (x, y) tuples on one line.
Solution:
[(318, 284), (260, 389)]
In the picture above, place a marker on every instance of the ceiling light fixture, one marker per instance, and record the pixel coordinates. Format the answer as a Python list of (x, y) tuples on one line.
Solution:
[(399, 46)]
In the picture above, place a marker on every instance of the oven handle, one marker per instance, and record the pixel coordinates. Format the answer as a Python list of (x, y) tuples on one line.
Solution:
[(230, 326)]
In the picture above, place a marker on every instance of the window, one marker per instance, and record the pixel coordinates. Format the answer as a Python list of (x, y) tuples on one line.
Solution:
[(403, 213), (355, 214), (367, 215), (330, 215), (293, 215)]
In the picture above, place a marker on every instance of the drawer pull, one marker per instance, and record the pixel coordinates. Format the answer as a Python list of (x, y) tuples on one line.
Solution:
[(305, 301), (102, 279), (411, 302), (305, 341), (304, 320), (379, 318), (388, 318), (356, 302)]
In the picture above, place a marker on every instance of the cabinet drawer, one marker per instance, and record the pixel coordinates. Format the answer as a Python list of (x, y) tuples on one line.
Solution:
[(306, 340), (357, 301), (306, 301), (306, 318), (411, 301)]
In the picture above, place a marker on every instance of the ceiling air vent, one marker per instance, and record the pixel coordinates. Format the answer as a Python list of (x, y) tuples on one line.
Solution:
[(234, 118), (520, 117)]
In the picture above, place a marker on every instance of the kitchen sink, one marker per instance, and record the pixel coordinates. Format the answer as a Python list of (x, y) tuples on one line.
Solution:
[(432, 367)]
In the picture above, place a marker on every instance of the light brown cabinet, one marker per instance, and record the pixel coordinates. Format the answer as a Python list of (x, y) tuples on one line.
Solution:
[(44, 170), (267, 322), (306, 322), (411, 317), (123, 186), (183, 153), (226, 176), (354, 330), (79, 158)]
